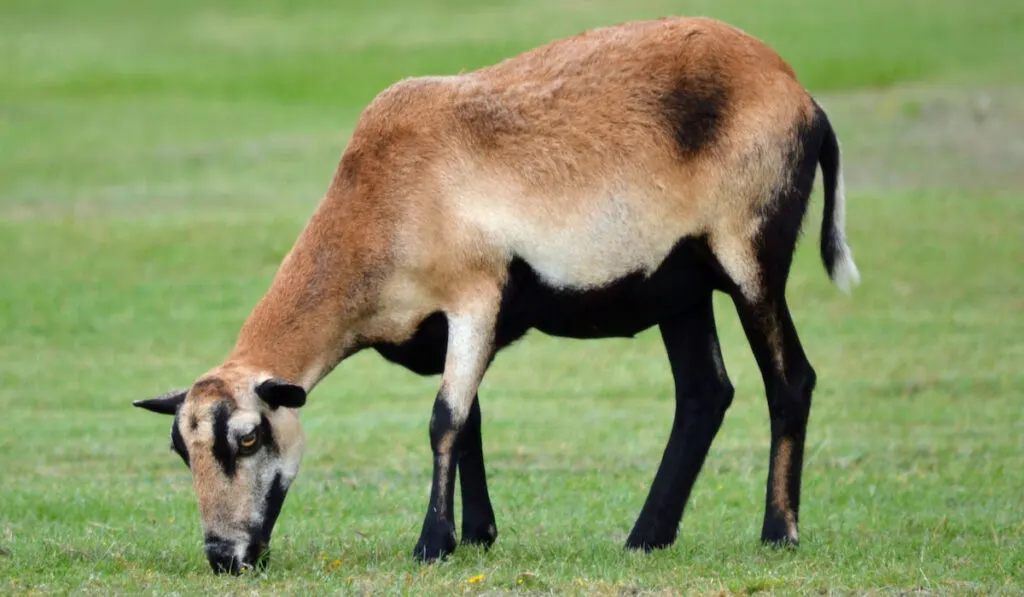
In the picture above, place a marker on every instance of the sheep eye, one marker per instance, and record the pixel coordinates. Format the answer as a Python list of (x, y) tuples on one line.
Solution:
[(249, 443)]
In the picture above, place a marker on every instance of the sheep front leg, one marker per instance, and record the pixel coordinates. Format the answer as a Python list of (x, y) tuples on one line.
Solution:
[(470, 344), (478, 525)]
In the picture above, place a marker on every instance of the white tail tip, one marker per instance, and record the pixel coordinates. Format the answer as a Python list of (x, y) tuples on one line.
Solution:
[(845, 274)]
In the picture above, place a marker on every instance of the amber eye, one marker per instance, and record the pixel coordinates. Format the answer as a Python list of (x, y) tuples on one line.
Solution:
[(249, 443)]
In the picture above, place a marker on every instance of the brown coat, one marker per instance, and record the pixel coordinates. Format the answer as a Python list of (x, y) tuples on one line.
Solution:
[(589, 158)]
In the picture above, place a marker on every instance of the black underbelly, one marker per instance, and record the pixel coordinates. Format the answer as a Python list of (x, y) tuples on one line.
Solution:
[(623, 308)]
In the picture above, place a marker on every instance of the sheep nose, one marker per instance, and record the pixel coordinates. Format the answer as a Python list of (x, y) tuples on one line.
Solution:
[(222, 556)]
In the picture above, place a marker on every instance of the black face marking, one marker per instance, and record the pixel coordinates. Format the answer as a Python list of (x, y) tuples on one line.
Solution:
[(221, 442), (695, 110), (267, 435), (177, 443), (272, 507)]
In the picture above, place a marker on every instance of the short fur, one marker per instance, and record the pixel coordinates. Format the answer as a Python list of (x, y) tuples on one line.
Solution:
[(593, 187)]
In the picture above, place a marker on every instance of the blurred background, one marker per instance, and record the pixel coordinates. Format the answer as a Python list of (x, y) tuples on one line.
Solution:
[(158, 159)]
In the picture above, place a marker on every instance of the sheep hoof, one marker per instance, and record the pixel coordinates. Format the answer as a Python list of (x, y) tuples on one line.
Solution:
[(649, 541), (483, 535), (436, 542)]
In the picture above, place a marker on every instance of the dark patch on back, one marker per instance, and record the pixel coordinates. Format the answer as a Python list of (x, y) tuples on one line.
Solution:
[(695, 110), (221, 445), (178, 444)]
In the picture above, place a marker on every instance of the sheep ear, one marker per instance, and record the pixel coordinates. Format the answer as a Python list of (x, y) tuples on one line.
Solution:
[(277, 393), (167, 404)]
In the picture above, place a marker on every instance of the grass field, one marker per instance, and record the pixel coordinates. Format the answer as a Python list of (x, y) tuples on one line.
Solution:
[(157, 160)]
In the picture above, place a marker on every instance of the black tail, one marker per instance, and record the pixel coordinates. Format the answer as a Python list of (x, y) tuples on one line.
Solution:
[(835, 253)]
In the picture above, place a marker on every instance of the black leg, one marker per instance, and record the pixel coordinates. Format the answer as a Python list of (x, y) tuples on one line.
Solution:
[(437, 539), (703, 393), (478, 525), (789, 382)]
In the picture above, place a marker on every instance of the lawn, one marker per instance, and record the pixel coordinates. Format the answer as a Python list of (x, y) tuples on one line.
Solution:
[(157, 160)]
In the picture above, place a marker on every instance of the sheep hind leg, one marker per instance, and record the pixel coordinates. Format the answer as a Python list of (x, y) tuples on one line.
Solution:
[(759, 271), (789, 383)]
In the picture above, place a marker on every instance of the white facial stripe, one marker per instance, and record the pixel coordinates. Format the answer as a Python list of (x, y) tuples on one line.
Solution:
[(243, 422), (290, 443), (240, 549)]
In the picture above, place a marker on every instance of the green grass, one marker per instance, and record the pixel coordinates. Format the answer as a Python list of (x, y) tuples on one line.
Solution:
[(157, 159)]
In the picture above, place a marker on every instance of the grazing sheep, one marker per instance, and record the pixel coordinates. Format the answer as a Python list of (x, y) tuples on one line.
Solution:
[(590, 188)]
